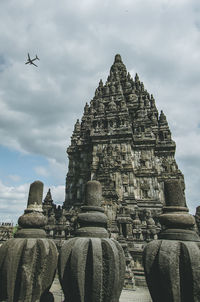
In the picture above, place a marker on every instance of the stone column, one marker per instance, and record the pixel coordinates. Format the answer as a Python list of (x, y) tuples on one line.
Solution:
[(172, 262), (28, 262), (92, 266)]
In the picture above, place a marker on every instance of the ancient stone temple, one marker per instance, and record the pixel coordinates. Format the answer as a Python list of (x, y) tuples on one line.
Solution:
[(125, 144)]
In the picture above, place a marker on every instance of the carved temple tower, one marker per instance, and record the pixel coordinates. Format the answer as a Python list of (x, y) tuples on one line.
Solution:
[(123, 142)]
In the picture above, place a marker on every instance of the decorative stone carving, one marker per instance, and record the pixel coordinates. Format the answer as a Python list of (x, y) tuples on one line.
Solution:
[(92, 266), (197, 219), (172, 262), (6, 231), (129, 120), (101, 106), (25, 273)]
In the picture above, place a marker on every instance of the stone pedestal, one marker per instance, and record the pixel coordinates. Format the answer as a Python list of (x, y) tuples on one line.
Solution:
[(172, 262), (28, 262), (92, 266)]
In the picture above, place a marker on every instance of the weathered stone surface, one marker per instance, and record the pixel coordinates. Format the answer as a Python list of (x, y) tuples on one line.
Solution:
[(25, 272), (123, 142), (93, 193), (35, 197), (91, 268), (60, 225), (6, 231), (197, 219), (32, 220), (174, 195), (172, 262), (28, 262)]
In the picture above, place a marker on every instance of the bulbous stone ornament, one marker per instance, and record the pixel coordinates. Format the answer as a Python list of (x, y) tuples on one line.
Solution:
[(28, 262), (92, 266), (172, 263)]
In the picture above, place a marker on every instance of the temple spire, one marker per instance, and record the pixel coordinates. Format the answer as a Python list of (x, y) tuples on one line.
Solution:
[(162, 118), (48, 199), (118, 58), (118, 69), (123, 145)]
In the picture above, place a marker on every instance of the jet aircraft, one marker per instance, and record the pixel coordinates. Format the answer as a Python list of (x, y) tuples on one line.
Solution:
[(30, 61)]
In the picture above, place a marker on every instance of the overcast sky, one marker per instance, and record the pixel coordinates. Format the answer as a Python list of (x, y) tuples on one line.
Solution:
[(76, 42)]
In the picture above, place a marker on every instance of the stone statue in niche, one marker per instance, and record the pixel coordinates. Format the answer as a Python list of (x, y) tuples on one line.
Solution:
[(112, 105), (119, 88), (123, 105), (112, 89), (166, 166), (109, 149), (145, 187), (125, 178), (100, 106), (106, 90), (132, 97)]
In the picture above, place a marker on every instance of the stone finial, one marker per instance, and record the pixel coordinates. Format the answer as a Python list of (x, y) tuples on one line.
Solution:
[(162, 118), (177, 221), (25, 272), (35, 196), (93, 193), (100, 83), (32, 222), (118, 58), (172, 262), (136, 78), (92, 219), (96, 273), (77, 126), (118, 70), (174, 194)]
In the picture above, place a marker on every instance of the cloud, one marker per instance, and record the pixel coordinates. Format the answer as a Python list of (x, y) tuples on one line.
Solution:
[(12, 201), (76, 43), (41, 171), (15, 178)]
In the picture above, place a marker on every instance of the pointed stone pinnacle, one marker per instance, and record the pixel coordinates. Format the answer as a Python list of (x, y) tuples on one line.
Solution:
[(48, 197), (136, 77), (118, 58), (162, 118)]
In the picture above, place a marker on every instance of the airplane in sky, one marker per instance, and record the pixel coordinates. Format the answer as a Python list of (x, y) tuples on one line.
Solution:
[(30, 61)]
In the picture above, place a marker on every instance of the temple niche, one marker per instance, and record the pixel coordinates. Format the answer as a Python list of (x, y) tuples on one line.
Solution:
[(125, 143)]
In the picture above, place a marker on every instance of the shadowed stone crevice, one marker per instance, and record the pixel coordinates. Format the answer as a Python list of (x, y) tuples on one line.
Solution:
[(89, 286), (186, 277)]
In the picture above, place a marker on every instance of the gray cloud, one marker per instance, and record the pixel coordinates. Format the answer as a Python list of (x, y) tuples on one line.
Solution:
[(76, 43)]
